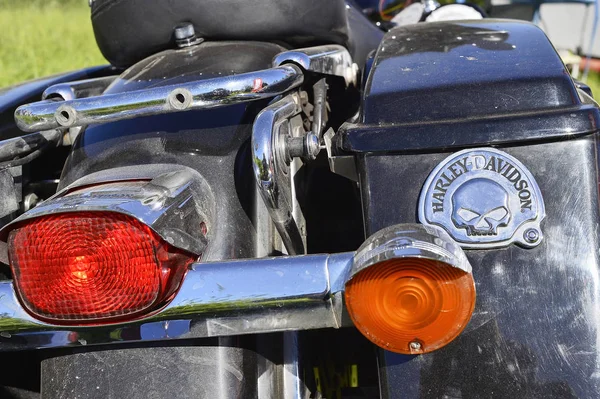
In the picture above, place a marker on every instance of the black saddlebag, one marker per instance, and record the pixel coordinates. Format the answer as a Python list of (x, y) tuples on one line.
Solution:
[(477, 127), (129, 30), (161, 372)]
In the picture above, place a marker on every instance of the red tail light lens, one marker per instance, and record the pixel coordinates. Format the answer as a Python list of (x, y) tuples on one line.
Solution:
[(92, 267)]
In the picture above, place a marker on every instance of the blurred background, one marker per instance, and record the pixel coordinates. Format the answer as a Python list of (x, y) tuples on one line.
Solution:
[(45, 37)]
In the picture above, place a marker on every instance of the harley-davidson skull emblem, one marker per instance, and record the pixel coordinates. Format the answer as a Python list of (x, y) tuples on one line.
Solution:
[(484, 198), (485, 216)]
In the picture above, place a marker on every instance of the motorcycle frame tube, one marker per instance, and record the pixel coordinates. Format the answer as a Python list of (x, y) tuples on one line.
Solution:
[(17, 147)]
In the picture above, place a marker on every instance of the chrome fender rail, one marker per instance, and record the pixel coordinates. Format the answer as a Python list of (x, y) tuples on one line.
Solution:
[(203, 94), (215, 299), (96, 108)]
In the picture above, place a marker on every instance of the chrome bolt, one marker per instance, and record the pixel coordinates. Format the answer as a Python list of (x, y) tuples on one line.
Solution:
[(184, 31), (312, 147), (30, 201), (415, 346), (185, 35), (531, 236)]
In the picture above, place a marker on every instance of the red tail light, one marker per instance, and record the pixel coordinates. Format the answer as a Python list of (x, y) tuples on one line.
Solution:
[(91, 267)]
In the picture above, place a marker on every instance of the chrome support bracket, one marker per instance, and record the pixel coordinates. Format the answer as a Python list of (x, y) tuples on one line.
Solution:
[(331, 59), (270, 130)]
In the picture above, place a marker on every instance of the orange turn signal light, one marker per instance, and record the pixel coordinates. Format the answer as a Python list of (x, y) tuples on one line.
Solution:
[(408, 299), (411, 305)]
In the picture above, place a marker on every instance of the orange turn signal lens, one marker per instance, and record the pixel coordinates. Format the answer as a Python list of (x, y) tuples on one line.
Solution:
[(411, 305)]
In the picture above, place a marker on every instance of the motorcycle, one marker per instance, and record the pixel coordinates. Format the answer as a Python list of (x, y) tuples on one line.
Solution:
[(277, 199)]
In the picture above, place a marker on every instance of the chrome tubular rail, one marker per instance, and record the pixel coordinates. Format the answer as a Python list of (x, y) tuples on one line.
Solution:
[(78, 89), (202, 94), (216, 299)]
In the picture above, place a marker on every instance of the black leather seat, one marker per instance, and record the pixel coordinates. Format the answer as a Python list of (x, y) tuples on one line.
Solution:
[(130, 30)]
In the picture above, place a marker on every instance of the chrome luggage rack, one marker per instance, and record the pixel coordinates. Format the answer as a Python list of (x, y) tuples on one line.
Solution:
[(286, 74)]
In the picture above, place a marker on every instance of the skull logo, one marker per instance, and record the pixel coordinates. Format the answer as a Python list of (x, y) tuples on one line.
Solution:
[(480, 206)]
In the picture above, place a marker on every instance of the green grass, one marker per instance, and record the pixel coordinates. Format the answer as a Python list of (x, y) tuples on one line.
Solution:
[(44, 37), (594, 83)]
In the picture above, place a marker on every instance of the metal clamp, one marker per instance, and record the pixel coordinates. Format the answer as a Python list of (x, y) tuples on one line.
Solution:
[(202, 94)]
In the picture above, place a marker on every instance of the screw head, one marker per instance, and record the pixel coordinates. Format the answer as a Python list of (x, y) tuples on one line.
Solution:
[(531, 235), (415, 346), (312, 146), (184, 31), (185, 35)]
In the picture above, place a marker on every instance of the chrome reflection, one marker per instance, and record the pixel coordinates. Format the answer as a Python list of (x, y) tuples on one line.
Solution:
[(410, 241), (204, 94)]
